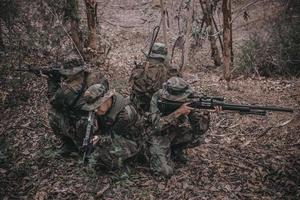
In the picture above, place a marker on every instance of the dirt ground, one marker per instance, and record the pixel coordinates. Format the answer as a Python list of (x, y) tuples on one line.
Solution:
[(240, 157)]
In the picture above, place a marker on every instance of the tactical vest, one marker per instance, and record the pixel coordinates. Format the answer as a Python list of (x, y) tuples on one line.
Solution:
[(119, 103)]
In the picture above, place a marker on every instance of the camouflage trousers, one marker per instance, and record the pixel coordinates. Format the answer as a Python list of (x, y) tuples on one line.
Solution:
[(161, 146), (68, 128), (113, 153)]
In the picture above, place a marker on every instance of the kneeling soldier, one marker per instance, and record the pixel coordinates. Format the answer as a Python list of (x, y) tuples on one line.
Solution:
[(172, 133), (117, 124)]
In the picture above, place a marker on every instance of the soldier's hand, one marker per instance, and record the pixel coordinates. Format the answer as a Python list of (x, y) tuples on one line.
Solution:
[(105, 140), (217, 109), (184, 109)]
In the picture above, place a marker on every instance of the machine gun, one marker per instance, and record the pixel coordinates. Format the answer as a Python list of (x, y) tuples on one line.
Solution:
[(205, 102), (87, 146)]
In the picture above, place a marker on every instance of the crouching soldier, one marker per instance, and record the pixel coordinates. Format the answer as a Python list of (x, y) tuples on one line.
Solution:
[(117, 128), (66, 98), (174, 132)]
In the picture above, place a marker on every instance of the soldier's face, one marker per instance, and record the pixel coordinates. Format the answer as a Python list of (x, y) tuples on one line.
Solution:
[(103, 108)]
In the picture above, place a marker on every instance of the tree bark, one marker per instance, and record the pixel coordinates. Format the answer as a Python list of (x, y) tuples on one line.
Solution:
[(188, 34), (76, 35), (91, 12), (226, 39), (208, 19), (71, 14), (211, 37)]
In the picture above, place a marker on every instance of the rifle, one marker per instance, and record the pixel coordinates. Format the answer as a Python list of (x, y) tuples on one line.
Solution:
[(153, 39), (205, 102), (87, 146), (52, 72)]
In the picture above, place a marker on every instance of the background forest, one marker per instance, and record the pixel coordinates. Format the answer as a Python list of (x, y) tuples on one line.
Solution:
[(247, 51)]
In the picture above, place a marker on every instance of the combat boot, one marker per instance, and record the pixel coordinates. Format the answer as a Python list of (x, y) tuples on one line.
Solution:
[(178, 156)]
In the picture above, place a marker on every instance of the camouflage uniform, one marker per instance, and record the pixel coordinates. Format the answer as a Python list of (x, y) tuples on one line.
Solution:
[(171, 134), (121, 127), (148, 77), (65, 114)]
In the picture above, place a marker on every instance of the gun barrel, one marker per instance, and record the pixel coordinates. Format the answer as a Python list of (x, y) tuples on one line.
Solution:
[(229, 106)]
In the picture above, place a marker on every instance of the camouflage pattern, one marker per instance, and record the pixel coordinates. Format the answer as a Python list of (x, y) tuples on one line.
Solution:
[(171, 133), (65, 115), (68, 127), (124, 127), (158, 51), (148, 77), (96, 95)]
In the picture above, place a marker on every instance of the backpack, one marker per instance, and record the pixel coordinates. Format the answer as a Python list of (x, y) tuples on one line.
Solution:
[(69, 96), (146, 79)]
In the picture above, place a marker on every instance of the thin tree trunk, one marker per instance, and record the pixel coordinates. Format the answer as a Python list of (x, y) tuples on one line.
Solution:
[(212, 38), (163, 18), (226, 39), (76, 35), (187, 41), (219, 34), (1, 37), (91, 12), (71, 13), (230, 19)]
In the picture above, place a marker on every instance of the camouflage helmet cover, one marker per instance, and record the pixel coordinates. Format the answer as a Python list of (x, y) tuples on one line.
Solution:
[(176, 89), (72, 65), (158, 50), (96, 95)]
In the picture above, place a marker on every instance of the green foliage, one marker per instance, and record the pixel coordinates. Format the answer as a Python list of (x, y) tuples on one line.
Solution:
[(246, 60), (277, 54)]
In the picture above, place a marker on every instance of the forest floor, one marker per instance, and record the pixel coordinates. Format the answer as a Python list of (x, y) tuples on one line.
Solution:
[(240, 157)]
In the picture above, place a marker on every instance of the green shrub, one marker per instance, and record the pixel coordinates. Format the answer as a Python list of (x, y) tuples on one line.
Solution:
[(276, 54)]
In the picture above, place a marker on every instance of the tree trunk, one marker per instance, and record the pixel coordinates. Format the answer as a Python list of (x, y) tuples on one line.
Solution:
[(76, 35), (163, 18), (91, 12), (188, 34), (230, 21), (215, 55), (71, 14), (1, 37), (226, 39)]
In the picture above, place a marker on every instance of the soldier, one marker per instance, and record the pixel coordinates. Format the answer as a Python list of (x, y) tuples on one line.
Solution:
[(118, 126), (172, 133), (66, 99), (148, 77)]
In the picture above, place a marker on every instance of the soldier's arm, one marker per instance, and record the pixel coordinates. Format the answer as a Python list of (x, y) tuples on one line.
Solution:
[(126, 118), (161, 123)]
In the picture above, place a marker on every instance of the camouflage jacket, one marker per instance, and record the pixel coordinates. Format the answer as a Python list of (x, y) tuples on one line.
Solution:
[(122, 119), (197, 121), (146, 79)]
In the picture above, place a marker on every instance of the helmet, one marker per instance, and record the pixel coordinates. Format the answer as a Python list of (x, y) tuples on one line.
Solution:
[(158, 50), (176, 89), (96, 95), (72, 65)]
